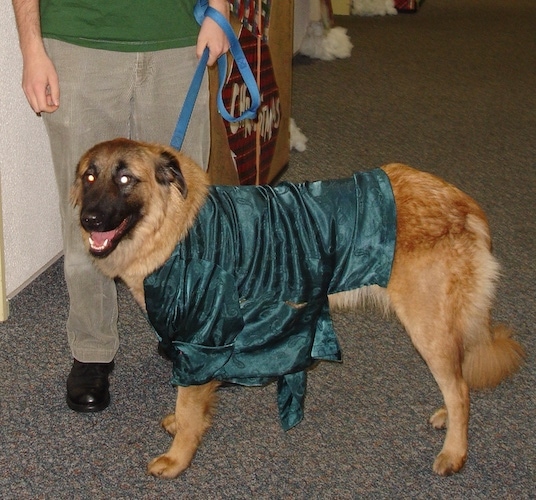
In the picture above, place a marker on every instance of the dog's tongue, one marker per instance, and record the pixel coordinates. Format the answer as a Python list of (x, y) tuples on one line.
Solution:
[(102, 241), (99, 238)]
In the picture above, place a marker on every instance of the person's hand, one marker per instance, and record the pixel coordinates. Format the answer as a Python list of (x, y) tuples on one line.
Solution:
[(211, 35), (40, 82)]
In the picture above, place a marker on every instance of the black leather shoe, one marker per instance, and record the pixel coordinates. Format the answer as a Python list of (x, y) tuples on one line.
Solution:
[(88, 386)]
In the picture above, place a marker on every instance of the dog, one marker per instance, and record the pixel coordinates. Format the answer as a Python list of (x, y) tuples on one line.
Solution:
[(423, 252)]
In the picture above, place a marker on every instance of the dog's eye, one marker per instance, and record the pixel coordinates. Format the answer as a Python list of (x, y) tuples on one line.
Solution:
[(124, 179), (90, 178)]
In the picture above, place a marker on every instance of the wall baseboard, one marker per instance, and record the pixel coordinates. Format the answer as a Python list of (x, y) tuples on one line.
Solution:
[(34, 276)]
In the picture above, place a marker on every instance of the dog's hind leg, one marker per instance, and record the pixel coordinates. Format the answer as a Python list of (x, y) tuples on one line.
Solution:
[(456, 396), (192, 418), (442, 286), (444, 362), (419, 295)]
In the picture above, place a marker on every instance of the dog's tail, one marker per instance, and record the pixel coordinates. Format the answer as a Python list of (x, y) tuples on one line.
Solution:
[(491, 354), (487, 363)]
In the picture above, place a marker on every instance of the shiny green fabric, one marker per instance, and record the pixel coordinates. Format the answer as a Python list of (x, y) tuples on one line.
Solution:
[(243, 298)]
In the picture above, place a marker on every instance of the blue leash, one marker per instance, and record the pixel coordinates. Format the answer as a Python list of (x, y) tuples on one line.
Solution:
[(202, 10)]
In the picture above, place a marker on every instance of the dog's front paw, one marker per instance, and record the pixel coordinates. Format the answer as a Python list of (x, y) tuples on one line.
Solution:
[(166, 467), (439, 419), (446, 464), (169, 423)]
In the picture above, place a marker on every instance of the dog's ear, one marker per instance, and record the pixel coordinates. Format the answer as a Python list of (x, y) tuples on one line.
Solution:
[(168, 171)]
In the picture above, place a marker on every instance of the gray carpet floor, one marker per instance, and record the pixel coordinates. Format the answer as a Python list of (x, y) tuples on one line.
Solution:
[(451, 90)]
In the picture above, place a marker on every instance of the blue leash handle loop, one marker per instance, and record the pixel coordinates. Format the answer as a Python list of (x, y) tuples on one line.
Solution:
[(202, 10)]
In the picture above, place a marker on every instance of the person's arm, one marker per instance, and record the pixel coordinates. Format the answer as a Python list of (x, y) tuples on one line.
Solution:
[(39, 77), (211, 35)]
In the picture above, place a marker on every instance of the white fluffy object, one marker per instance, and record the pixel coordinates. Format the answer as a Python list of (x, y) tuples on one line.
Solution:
[(297, 139), (373, 7), (326, 44)]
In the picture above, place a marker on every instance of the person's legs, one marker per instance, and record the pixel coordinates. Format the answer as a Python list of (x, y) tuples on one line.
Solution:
[(95, 98), (106, 95)]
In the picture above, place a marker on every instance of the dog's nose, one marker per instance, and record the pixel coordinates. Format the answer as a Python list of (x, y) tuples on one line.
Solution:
[(91, 221)]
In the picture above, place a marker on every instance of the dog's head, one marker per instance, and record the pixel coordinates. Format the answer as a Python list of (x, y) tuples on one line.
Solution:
[(117, 184)]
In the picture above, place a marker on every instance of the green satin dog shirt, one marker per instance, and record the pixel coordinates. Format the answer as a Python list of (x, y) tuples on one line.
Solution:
[(243, 298)]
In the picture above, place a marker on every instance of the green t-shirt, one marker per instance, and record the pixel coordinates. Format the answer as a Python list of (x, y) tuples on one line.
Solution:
[(121, 25)]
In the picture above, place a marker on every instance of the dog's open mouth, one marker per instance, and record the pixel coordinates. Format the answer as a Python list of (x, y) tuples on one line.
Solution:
[(101, 243)]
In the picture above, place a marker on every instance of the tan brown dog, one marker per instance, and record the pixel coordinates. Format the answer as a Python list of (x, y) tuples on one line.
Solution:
[(138, 201)]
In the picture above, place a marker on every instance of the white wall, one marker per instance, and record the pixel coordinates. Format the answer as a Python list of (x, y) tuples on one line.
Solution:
[(31, 227)]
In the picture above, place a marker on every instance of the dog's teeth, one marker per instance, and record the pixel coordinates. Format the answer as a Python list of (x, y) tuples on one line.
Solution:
[(98, 247)]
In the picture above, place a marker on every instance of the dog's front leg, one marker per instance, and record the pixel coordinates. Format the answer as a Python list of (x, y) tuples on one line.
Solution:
[(192, 418)]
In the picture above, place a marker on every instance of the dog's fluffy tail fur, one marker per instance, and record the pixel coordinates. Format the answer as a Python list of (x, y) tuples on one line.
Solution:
[(487, 363), (490, 354)]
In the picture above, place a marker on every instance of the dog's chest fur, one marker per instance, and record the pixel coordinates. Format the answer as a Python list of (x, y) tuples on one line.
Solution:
[(244, 297)]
